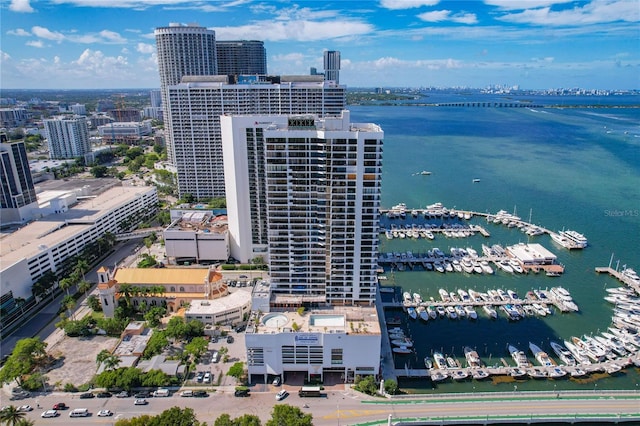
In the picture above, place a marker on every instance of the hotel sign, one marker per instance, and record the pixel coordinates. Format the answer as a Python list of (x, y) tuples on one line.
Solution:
[(306, 339)]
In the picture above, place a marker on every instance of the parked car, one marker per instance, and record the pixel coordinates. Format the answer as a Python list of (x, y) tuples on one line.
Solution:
[(207, 377), (241, 392), (142, 394), (277, 381), (123, 394), (186, 394), (229, 339), (200, 394), (199, 376), (281, 395), (49, 413), (104, 395), (105, 413), (140, 401), (87, 395), (60, 406), (25, 408)]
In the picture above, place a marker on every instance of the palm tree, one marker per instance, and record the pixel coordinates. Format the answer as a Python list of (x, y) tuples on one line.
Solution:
[(102, 356), (25, 422), (111, 362), (65, 284), (82, 266), (84, 286), (126, 290), (10, 415)]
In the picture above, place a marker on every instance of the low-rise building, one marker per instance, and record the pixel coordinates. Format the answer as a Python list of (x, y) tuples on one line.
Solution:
[(197, 237), (230, 310), (337, 341)]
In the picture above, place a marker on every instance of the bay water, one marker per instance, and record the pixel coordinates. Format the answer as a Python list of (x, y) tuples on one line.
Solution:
[(574, 168)]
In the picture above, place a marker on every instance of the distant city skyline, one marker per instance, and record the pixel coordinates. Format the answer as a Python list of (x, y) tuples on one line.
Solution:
[(533, 44)]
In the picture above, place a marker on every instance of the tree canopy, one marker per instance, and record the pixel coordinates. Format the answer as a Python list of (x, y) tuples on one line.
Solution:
[(27, 355), (284, 414)]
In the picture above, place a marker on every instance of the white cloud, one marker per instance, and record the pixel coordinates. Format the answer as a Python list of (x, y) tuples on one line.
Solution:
[(145, 48), (46, 34), (523, 4), (446, 15), (5, 56), (406, 4), (135, 4), (21, 6), (19, 32), (112, 37), (297, 30), (592, 13), (35, 43)]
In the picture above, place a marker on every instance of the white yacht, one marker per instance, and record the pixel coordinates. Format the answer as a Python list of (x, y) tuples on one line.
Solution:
[(564, 354), (490, 311), (569, 239), (471, 312)]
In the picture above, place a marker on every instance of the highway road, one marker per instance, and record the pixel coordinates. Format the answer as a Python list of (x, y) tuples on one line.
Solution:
[(347, 407)]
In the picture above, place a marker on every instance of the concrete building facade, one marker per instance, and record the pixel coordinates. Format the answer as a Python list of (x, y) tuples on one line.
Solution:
[(332, 65), (67, 137), (241, 57), (195, 107), (18, 196), (182, 50), (308, 189)]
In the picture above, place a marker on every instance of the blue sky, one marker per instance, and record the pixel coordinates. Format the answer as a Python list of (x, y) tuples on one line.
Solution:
[(536, 44)]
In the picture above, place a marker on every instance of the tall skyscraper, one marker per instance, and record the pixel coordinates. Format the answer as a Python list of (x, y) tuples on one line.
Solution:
[(17, 185), (308, 189), (332, 65), (67, 137), (182, 50), (195, 107), (241, 57), (156, 98)]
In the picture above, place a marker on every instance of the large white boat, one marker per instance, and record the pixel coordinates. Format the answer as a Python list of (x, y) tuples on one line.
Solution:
[(564, 354), (472, 357), (439, 361), (519, 357), (490, 311), (422, 313), (569, 239), (411, 311), (402, 350), (541, 356)]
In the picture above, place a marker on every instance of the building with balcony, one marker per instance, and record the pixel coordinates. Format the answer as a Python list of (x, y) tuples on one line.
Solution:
[(67, 137), (241, 57)]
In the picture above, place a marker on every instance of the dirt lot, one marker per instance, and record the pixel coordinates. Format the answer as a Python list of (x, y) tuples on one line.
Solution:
[(78, 364)]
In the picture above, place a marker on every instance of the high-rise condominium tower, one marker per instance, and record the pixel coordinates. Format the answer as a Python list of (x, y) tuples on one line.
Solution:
[(17, 184), (241, 57), (67, 137), (195, 107), (332, 65), (182, 50), (309, 189)]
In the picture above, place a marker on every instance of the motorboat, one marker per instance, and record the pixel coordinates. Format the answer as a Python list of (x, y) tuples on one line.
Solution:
[(541, 356), (578, 372), (431, 311), (441, 311), (579, 354), (479, 374), (595, 353), (471, 312), (411, 311), (406, 342), (513, 295), (451, 312), (444, 295), (422, 313), (536, 373), (556, 373), (519, 357), (459, 375), (460, 311), (486, 268), (438, 376), (417, 298), (472, 357), (612, 368), (564, 354), (515, 265), (490, 311), (569, 239), (517, 372), (402, 350), (439, 361), (428, 362)]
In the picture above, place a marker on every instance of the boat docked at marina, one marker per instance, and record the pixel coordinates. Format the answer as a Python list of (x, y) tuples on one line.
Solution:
[(578, 353), (541, 356), (472, 357), (422, 313), (490, 311), (594, 352), (406, 342), (569, 239), (432, 312), (439, 361), (402, 350), (536, 373), (518, 356), (411, 311), (470, 312), (428, 362), (438, 375), (564, 354)]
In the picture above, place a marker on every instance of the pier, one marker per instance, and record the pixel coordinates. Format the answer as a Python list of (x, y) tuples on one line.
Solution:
[(628, 281)]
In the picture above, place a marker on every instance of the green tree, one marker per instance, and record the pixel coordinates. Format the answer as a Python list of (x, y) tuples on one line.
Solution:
[(98, 171), (10, 415), (111, 362), (366, 384), (284, 414), (27, 354), (81, 267), (25, 422), (94, 303), (196, 347), (154, 315), (102, 355), (65, 284), (391, 386), (176, 328), (244, 420), (156, 344), (84, 286), (34, 381), (155, 378), (236, 370)]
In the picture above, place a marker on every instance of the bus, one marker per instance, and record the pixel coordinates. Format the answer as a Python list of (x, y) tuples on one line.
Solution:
[(309, 391)]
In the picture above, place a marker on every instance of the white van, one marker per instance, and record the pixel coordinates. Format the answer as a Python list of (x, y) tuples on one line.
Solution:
[(161, 393), (79, 412)]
